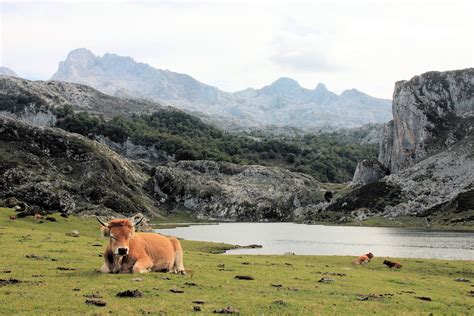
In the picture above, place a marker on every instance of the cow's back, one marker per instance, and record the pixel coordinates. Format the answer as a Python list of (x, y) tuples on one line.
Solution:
[(156, 246)]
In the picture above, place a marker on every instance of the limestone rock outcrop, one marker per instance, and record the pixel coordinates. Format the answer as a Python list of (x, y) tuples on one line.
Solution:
[(56, 171), (428, 149), (430, 112), (368, 171), (227, 191)]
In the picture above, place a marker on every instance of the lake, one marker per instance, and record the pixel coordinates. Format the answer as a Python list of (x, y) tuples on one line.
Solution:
[(278, 238)]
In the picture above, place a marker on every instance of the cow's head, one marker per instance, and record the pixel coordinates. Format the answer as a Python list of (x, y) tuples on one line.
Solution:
[(119, 231), (370, 255)]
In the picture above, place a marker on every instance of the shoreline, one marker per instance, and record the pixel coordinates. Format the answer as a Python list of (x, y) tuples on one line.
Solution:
[(441, 228)]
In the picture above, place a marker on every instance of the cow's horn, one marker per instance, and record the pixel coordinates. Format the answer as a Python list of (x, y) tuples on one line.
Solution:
[(138, 221), (101, 222)]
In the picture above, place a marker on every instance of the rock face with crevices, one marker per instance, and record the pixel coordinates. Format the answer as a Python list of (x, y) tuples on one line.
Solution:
[(430, 112), (428, 149), (368, 171), (226, 191), (56, 171)]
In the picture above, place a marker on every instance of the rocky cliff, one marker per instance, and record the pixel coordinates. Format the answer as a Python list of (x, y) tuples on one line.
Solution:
[(428, 149), (226, 191), (430, 112), (55, 171)]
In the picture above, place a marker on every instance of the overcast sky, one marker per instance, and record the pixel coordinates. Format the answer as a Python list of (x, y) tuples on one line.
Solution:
[(233, 45)]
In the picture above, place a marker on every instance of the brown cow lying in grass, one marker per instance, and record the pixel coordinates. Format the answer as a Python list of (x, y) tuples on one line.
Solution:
[(392, 264), (363, 259), (128, 251)]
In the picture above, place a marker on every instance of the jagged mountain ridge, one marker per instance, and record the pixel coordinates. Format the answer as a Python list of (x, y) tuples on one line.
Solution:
[(283, 103)]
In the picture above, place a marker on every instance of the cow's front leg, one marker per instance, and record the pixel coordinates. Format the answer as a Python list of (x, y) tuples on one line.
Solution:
[(105, 268), (142, 266)]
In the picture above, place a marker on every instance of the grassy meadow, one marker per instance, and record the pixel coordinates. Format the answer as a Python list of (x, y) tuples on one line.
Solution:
[(56, 274)]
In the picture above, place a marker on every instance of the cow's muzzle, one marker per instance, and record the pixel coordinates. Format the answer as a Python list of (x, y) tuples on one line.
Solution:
[(122, 251)]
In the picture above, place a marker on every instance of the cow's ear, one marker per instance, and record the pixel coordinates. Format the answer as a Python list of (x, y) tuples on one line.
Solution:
[(105, 231)]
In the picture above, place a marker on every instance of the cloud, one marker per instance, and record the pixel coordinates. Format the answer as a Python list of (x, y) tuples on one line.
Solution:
[(298, 48), (309, 61), (364, 44)]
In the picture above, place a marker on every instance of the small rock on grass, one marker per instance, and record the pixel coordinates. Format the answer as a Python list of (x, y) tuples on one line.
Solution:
[(199, 302), (325, 280), (362, 298), (244, 277), (93, 295), (66, 269), (73, 233), (280, 302), (177, 291), (227, 310), (462, 280), (197, 308), (334, 273), (129, 293), (424, 298), (96, 302), (190, 284), (9, 282)]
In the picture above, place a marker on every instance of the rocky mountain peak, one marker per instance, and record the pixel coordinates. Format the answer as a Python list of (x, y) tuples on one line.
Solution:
[(321, 87), (80, 57), (352, 93), (284, 85), (5, 71)]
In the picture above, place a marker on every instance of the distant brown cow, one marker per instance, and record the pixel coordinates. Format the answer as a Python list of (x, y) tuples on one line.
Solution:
[(392, 264), (12, 218), (128, 251), (38, 217), (363, 259)]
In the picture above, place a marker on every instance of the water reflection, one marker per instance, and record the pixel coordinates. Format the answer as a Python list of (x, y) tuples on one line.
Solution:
[(278, 238)]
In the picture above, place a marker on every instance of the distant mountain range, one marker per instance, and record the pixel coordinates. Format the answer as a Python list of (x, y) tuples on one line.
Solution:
[(284, 103)]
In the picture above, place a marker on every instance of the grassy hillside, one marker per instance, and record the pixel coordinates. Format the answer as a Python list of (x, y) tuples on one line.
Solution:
[(327, 157), (33, 252)]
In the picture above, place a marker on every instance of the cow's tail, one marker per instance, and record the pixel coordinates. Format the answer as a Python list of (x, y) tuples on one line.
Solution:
[(178, 256)]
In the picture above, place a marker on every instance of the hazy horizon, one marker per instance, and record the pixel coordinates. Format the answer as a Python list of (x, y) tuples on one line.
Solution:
[(368, 45)]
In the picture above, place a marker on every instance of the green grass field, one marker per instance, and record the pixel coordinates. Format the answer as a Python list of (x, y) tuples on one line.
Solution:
[(283, 285)]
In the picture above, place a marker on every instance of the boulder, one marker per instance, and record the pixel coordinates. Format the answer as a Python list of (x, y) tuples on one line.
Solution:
[(368, 171)]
